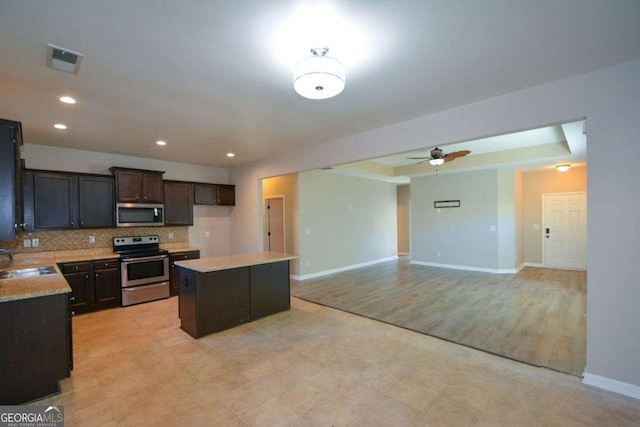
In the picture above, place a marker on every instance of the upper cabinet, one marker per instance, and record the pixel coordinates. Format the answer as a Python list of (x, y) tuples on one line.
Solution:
[(178, 203), (10, 174), (138, 186), (58, 200), (214, 194)]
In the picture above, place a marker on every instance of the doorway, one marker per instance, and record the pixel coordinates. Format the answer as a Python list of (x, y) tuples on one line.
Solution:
[(565, 230), (274, 238)]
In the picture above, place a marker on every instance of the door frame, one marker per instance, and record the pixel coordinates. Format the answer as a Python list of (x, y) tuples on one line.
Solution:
[(542, 239), (265, 220)]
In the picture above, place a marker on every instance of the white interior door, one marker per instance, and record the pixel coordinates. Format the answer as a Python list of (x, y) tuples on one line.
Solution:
[(565, 230), (274, 224)]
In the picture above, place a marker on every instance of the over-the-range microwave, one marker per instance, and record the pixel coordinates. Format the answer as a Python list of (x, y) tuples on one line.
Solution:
[(139, 215)]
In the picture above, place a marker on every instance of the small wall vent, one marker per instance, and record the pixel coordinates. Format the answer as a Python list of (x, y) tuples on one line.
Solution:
[(63, 59)]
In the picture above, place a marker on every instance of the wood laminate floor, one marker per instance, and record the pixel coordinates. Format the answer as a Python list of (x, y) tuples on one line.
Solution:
[(536, 316)]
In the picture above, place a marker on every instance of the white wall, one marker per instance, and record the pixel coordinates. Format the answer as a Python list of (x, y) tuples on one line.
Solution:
[(610, 100), (212, 219), (344, 221), (456, 236)]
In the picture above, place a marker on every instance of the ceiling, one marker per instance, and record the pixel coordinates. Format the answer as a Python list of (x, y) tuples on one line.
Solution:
[(209, 78), (526, 151)]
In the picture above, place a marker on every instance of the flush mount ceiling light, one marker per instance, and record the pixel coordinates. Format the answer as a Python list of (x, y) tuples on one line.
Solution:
[(563, 168), (67, 100), (230, 155), (161, 143), (319, 76), (60, 126), (436, 162)]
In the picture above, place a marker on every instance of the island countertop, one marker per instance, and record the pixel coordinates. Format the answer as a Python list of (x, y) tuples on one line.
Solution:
[(205, 265)]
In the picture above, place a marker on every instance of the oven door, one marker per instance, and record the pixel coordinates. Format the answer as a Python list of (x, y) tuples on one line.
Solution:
[(143, 271)]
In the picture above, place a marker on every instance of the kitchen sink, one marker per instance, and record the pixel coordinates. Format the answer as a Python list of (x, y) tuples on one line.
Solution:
[(27, 272)]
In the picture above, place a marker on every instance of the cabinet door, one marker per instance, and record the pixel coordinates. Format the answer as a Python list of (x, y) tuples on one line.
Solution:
[(178, 203), (107, 286), (55, 198), (81, 291), (270, 291), (96, 202), (129, 186), (9, 179), (151, 188), (173, 270), (226, 195), (204, 194)]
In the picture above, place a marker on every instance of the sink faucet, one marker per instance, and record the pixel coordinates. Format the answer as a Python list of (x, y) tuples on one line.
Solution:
[(6, 254)]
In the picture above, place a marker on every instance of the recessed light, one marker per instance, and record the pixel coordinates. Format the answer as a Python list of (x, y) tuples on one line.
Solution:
[(230, 155), (563, 168), (161, 143), (60, 126), (67, 100)]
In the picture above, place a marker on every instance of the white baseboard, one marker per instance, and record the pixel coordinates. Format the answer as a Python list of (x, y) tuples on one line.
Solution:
[(520, 267), (341, 269), (533, 264), (466, 268), (616, 386), (404, 253)]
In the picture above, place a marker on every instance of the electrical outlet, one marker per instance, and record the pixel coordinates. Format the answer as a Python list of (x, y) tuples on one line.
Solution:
[(92, 239), (171, 235), (35, 243), (206, 234), (26, 243), (307, 231)]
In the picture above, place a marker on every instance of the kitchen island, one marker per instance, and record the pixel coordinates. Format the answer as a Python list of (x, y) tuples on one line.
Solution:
[(219, 293)]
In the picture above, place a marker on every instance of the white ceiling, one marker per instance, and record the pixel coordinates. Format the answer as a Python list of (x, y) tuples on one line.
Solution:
[(204, 75)]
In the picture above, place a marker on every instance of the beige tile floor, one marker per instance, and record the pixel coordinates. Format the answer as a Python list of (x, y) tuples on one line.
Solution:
[(310, 366)]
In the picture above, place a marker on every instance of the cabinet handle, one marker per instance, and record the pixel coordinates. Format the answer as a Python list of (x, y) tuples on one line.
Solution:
[(72, 298), (71, 222), (73, 313), (76, 267), (96, 274)]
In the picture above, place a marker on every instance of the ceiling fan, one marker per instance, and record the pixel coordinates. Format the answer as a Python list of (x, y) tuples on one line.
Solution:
[(438, 157)]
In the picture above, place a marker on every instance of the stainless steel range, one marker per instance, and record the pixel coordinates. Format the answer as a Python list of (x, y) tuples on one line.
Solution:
[(144, 268)]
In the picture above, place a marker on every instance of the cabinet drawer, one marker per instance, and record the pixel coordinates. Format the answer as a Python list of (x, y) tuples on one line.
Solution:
[(180, 256), (75, 267), (105, 264)]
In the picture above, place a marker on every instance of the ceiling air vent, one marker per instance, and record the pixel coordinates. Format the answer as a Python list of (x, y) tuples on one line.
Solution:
[(63, 59)]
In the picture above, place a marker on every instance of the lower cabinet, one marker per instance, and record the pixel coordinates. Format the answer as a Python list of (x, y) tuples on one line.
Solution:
[(173, 270), (221, 299), (94, 284), (36, 353)]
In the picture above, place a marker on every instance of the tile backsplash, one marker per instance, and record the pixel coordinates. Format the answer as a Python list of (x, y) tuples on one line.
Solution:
[(79, 239)]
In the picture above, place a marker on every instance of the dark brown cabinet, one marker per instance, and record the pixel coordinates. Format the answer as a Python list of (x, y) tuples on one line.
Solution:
[(214, 194), (224, 298), (36, 353), (173, 270), (137, 185), (94, 284), (54, 201), (10, 178), (96, 201), (59, 200), (178, 203)]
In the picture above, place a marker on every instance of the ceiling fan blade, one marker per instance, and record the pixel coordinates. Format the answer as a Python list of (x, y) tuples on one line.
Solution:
[(454, 155), (422, 161), (418, 158)]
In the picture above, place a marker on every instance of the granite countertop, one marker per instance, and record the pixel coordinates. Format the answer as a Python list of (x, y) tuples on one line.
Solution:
[(205, 265), (51, 284)]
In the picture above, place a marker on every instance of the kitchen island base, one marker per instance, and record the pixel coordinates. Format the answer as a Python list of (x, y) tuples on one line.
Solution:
[(212, 301)]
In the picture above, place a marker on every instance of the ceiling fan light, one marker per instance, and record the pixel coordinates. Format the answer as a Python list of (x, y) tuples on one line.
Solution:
[(436, 162), (319, 77), (563, 168)]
